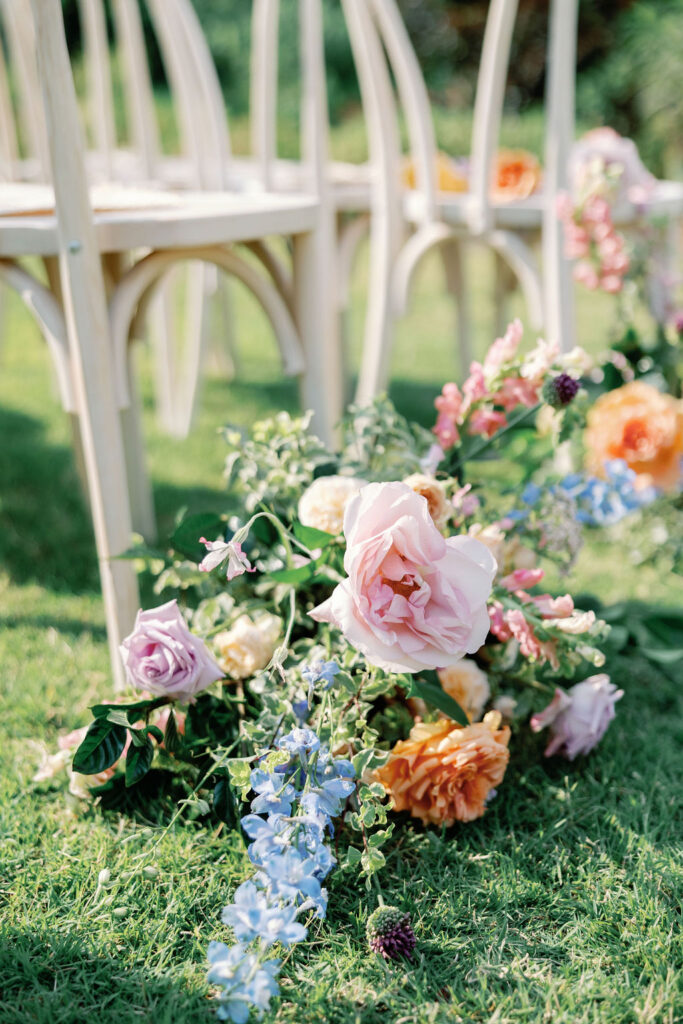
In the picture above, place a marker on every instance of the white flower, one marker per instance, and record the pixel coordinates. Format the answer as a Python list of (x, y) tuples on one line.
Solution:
[(576, 623), (322, 505), (248, 646), (468, 685), (577, 361), (538, 362), (506, 705)]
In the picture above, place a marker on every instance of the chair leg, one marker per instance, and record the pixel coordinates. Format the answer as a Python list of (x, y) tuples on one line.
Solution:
[(452, 255), (139, 488), (223, 356), (164, 353), (379, 317), (321, 383)]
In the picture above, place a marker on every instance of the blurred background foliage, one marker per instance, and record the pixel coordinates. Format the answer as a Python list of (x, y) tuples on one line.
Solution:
[(630, 71)]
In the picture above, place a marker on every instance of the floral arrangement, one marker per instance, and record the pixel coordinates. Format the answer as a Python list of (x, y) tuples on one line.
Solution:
[(356, 646)]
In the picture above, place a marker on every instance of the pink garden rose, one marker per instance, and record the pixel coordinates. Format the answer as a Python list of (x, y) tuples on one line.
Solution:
[(578, 719), (162, 656), (413, 599)]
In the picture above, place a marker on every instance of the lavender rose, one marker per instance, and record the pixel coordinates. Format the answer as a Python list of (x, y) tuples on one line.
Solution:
[(578, 720), (163, 657)]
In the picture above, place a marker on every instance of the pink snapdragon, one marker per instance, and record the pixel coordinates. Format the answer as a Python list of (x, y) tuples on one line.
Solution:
[(522, 579), (504, 349), (486, 422)]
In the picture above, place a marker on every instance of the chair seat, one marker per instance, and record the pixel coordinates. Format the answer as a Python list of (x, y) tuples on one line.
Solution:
[(133, 218), (666, 201)]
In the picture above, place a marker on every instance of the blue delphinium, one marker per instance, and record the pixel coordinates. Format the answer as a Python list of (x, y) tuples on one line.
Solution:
[(290, 820), (599, 502), (321, 671), (604, 502), (247, 981)]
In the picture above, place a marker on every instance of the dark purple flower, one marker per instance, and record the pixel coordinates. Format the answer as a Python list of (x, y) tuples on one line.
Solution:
[(390, 933), (560, 390)]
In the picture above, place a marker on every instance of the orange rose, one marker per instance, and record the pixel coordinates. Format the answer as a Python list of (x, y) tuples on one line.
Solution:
[(444, 773), (449, 177), (516, 175), (642, 426)]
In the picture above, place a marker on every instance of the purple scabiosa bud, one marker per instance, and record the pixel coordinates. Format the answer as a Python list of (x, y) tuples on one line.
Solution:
[(390, 933), (560, 390)]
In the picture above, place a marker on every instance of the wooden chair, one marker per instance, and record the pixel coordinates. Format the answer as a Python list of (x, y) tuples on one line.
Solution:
[(431, 218), (87, 326)]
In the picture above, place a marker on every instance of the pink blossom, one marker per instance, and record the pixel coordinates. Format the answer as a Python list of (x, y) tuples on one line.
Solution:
[(450, 401), (585, 274), (522, 578), (486, 422), (474, 387), (523, 633), (430, 463), (516, 391), (611, 283), (554, 607), (504, 349), (465, 503), (499, 626), (218, 551), (578, 719), (412, 599), (446, 431)]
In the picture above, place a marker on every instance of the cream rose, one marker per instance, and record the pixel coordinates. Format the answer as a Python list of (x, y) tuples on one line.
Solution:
[(468, 685), (248, 646), (322, 505), (440, 509)]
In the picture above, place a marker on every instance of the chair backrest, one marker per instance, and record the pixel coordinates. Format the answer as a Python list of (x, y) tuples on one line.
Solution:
[(393, 59)]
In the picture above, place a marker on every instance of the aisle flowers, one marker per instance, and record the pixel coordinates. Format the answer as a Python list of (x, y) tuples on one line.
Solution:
[(362, 638)]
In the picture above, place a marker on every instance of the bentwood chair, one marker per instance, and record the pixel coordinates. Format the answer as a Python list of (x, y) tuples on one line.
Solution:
[(85, 311), (428, 218)]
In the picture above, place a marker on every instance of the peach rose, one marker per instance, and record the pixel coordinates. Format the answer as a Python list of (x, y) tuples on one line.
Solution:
[(516, 174), (450, 177), (468, 685), (443, 773), (440, 509), (412, 599), (642, 426), (248, 645)]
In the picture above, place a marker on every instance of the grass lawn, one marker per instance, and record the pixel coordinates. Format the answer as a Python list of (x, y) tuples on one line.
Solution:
[(562, 904)]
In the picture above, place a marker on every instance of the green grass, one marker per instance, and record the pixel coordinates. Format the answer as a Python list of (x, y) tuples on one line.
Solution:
[(563, 904)]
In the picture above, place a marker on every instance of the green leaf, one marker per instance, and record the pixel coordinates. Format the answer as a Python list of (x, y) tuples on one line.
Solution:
[(139, 761), (432, 692), (353, 856), (311, 537), (372, 860), (102, 746), (132, 713), (224, 803), (172, 740), (185, 538), (300, 575)]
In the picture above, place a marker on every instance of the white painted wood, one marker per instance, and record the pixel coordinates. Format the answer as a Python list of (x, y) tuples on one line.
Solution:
[(488, 109), (88, 330), (137, 86), (9, 148), (263, 86), (20, 36), (561, 72), (100, 97)]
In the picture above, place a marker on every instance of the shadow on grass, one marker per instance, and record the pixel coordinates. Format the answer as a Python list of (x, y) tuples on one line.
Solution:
[(45, 530), (48, 978)]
